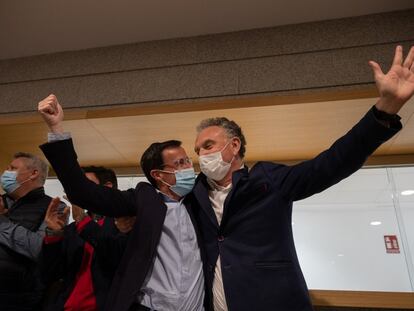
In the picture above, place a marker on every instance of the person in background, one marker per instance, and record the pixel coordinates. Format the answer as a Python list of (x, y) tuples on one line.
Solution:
[(79, 260), (22, 210)]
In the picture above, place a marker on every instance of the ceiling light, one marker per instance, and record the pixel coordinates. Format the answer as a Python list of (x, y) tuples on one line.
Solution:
[(375, 223), (407, 192)]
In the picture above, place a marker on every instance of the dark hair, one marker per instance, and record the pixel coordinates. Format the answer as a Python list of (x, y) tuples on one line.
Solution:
[(34, 162), (232, 130), (152, 157), (103, 174)]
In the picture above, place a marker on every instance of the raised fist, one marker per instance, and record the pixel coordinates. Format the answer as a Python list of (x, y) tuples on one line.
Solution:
[(52, 113)]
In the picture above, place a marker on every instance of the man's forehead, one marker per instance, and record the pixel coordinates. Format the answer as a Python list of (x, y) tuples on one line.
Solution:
[(18, 162), (174, 152), (211, 133)]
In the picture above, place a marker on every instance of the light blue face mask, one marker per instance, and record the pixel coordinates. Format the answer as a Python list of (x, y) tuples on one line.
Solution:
[(184, 181), (9, 181)]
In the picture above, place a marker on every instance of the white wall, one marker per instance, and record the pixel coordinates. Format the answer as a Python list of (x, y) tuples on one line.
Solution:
[(54, 188), (337, 245)]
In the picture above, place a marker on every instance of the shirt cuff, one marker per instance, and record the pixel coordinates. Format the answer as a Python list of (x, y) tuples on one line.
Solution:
[(52, 137)]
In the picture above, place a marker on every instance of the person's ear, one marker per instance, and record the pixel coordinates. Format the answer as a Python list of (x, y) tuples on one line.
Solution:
[(155, 174), (35, 175), (236, 145)]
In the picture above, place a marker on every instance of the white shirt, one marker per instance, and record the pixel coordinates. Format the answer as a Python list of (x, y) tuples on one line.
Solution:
[(217, 196)]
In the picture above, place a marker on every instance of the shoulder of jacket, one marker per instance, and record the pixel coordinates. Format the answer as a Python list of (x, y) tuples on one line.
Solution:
[(267, 164)]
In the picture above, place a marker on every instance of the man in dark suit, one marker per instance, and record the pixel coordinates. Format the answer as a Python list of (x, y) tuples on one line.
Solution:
[(245, 215), (161, 268)]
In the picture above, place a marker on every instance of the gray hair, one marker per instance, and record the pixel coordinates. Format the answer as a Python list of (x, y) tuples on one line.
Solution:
[(34, 162), (231, 128)]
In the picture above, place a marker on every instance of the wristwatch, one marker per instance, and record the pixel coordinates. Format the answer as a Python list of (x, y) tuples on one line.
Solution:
[(51, 232)]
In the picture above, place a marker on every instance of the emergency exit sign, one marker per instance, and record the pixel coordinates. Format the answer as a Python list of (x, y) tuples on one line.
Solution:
[(391, 244)]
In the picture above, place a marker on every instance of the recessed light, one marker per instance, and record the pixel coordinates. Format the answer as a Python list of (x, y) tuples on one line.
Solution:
[(375, 223), (407, 192), (341, 255)]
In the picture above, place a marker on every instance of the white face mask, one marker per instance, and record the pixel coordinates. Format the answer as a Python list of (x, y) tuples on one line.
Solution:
[(213, 166)]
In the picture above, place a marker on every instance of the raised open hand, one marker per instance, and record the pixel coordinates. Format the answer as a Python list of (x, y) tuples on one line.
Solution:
[(396, 87)]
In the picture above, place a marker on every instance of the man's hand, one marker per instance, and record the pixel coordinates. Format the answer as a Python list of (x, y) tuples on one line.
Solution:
[(397, 86), (56, 219), (125, 224), (52, 113), (78, 213)]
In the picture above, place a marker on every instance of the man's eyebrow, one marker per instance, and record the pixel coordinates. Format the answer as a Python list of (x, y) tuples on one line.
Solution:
[(203, 144), (207, 141)]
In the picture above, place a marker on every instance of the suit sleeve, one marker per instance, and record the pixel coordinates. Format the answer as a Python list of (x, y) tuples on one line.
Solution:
[(80, 190), (343, 158)]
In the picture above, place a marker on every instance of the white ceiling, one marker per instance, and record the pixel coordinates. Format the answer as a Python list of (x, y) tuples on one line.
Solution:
[(47, 26)]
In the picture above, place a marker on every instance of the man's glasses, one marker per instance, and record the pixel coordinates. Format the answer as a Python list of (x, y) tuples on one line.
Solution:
[(180, 164)]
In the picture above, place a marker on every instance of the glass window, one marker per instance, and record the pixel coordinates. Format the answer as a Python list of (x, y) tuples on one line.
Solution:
[(340, 232)]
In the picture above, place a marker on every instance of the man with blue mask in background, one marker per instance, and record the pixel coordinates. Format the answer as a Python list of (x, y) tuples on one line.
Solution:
[(161, 268), (21, 234)]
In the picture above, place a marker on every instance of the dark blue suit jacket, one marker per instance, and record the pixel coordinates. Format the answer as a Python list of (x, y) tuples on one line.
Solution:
[(260, 268)]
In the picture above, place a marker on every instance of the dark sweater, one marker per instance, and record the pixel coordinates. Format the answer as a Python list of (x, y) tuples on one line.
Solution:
[(20, 288)]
